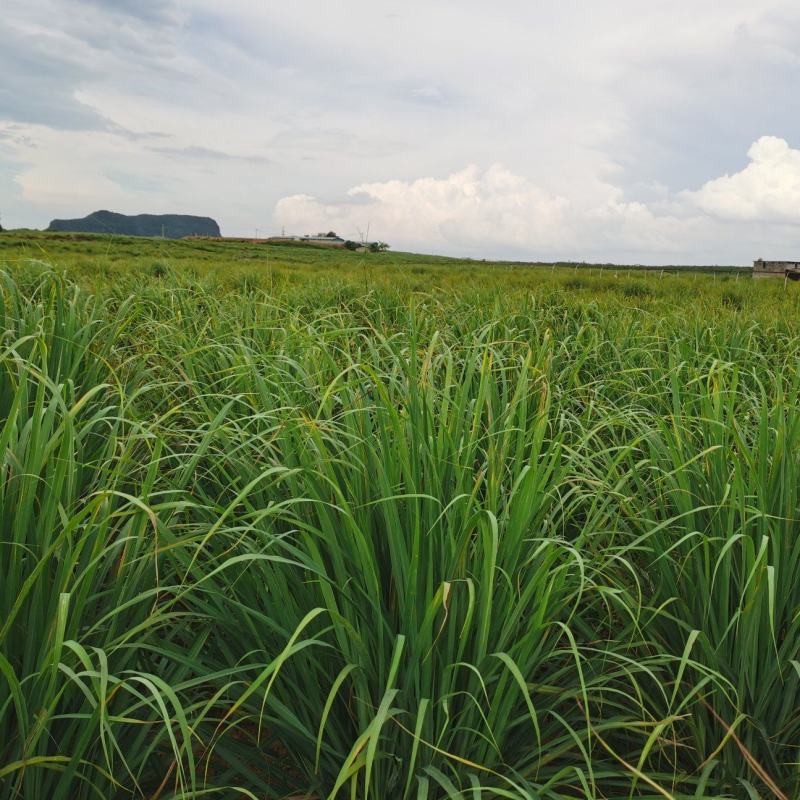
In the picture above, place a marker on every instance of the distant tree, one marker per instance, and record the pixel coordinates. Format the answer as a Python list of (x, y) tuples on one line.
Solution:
[(378, 247), (351, 245), (332, 234)]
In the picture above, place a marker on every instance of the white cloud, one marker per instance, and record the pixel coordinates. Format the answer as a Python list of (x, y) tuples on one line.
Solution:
[(473, 211), (497, 212), (767, 189), (465, 209)]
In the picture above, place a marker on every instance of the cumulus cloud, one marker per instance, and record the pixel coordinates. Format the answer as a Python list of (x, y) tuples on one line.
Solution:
[(767, 189), (465, 208), (474, 211)]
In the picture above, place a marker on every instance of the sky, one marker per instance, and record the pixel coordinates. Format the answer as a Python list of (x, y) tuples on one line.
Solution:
[(590, 130)]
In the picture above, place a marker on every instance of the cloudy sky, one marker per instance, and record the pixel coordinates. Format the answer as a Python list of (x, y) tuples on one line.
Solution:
[(666, 131)]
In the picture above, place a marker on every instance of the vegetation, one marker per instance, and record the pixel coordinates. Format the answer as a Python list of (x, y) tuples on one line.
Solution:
[(294, 522)]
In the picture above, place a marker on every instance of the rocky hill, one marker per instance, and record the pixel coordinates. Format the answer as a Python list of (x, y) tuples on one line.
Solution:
[(172, 226)]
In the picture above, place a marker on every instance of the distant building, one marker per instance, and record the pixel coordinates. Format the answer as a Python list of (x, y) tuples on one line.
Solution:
[(776, 269), (326, 239)]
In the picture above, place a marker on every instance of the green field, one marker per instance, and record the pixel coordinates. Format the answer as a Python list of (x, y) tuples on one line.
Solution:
[(283, 522)]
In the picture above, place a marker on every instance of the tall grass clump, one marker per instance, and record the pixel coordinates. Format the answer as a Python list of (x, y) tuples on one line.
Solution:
[(465, 607), (703, 462), (718, 519), (93, 656)]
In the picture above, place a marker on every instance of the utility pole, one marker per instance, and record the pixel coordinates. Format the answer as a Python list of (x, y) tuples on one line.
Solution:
[(364, 239)]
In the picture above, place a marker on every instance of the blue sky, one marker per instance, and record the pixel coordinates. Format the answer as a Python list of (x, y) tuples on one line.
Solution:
[(661, 132)]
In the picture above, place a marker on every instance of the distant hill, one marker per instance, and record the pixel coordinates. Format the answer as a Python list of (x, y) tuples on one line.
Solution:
[(172, 226)]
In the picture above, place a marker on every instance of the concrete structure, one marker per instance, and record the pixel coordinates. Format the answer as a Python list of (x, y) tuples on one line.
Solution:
[(776, 269), (319, 239)]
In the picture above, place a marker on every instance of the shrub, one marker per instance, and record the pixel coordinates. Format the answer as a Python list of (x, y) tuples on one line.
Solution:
[(732, 299), (636, 289)]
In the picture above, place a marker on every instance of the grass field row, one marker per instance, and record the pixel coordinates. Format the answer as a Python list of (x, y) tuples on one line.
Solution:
[(342, 528)]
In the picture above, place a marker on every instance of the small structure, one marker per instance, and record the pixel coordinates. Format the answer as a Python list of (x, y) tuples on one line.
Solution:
[(329, 239), (324, 238), (776, 269)]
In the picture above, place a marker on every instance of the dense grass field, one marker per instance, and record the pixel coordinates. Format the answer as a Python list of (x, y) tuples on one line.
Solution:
[(279, 522)]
